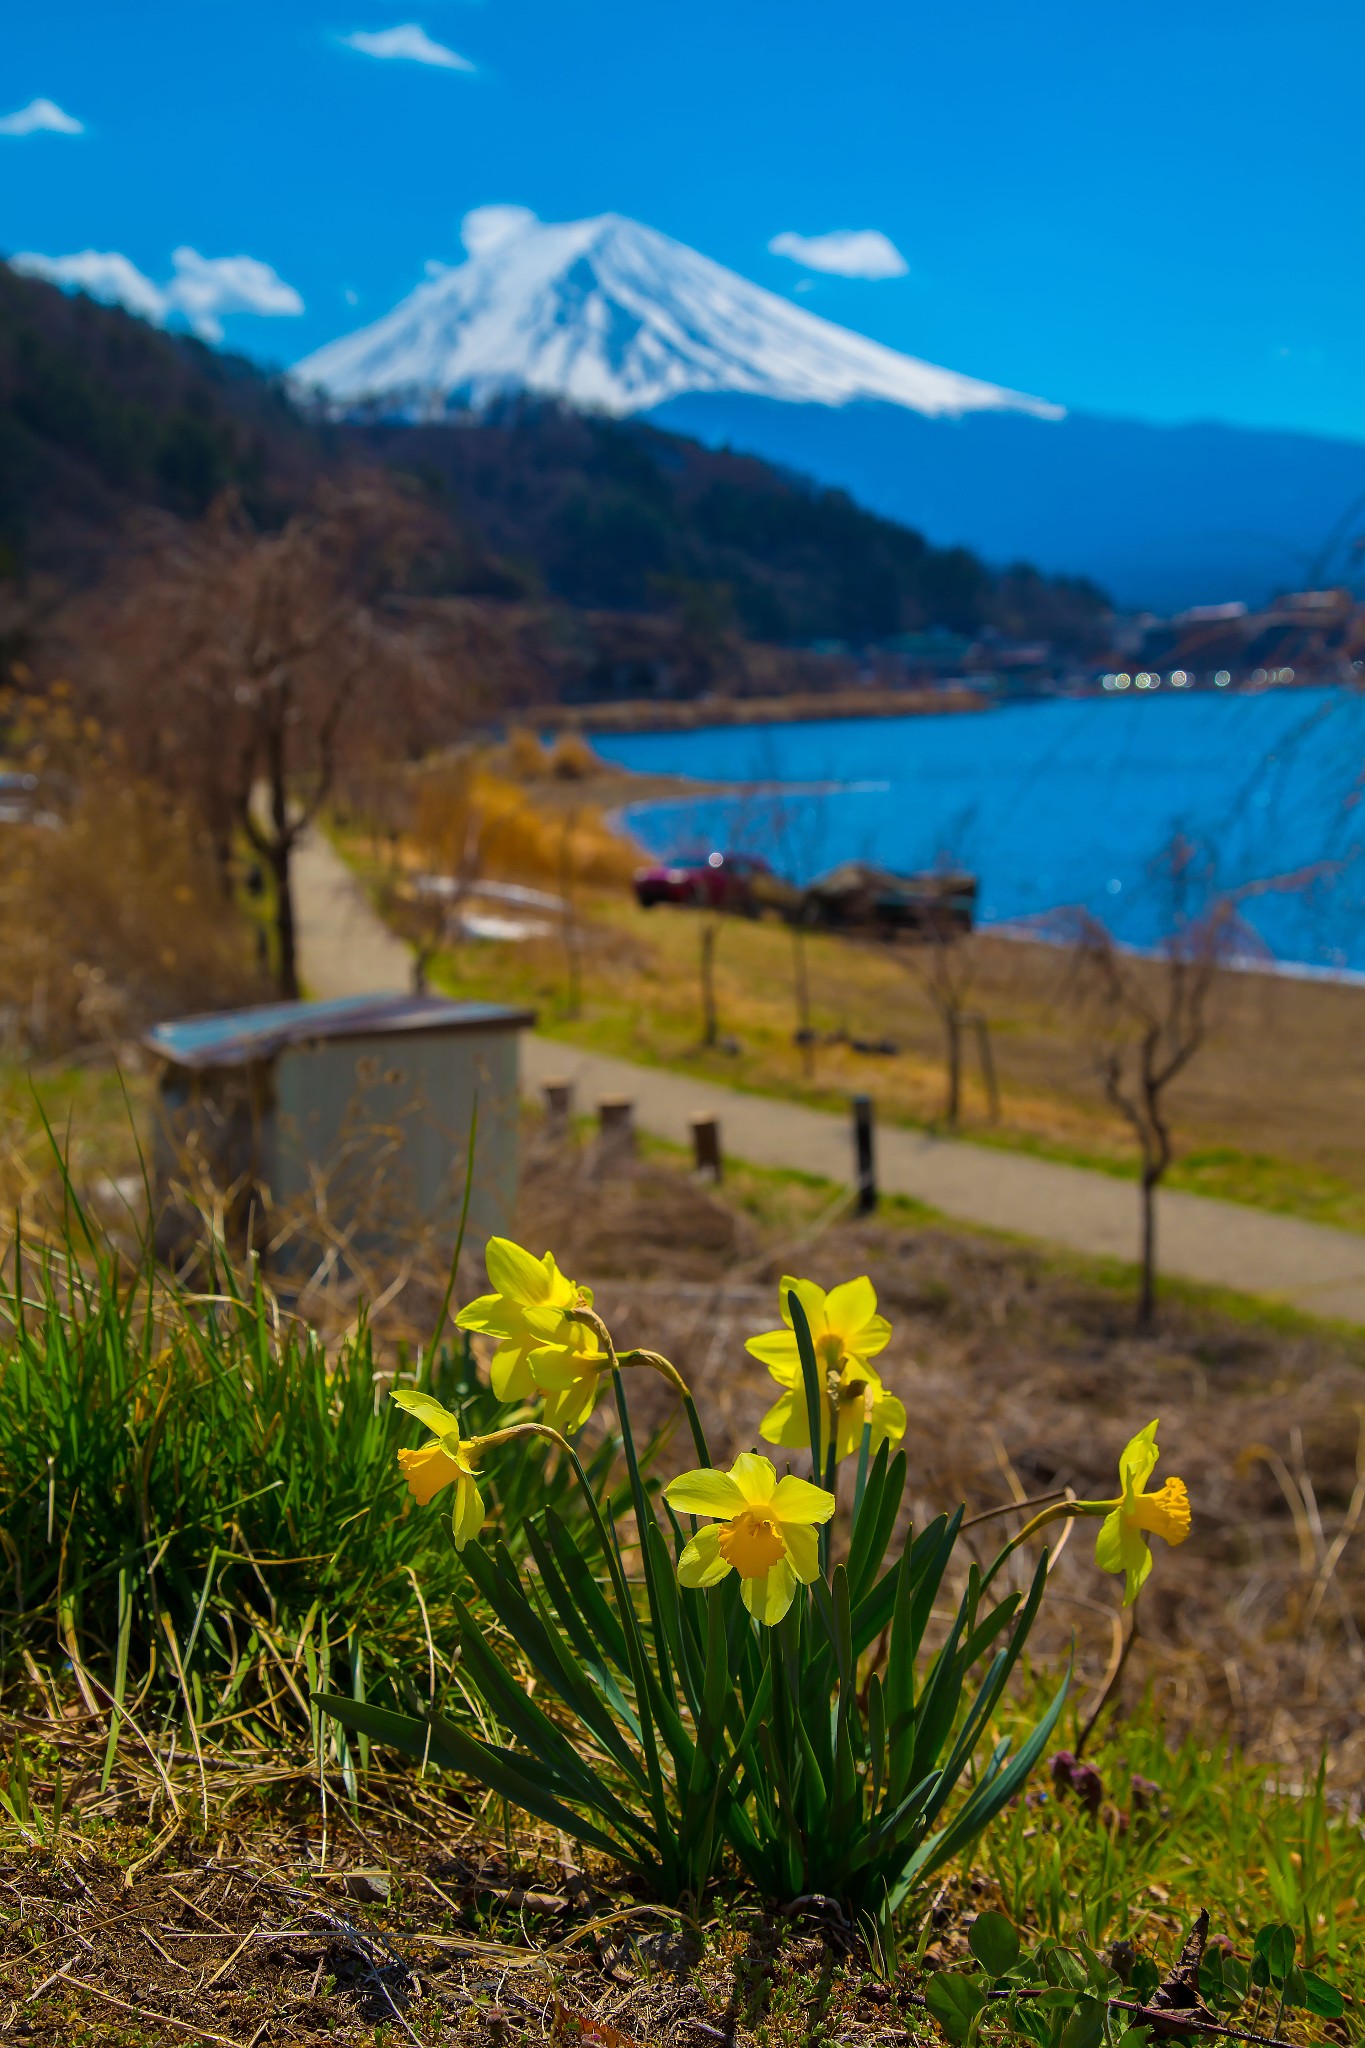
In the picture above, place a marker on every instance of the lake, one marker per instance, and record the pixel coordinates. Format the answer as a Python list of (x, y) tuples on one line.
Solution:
[(1055, 804)]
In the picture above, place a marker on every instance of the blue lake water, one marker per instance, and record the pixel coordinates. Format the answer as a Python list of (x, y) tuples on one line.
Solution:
[(1056, 804)]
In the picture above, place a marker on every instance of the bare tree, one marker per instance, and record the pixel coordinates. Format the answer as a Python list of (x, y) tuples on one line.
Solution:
[(1146, 1018), (237, 663), (447, 835), (571, 927), (946, 963)]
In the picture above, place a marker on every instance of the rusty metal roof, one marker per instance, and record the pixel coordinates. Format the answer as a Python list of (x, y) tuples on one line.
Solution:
[(236, 1038)]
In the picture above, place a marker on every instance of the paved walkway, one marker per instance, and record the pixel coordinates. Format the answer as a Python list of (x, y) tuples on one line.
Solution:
[(345, 949)]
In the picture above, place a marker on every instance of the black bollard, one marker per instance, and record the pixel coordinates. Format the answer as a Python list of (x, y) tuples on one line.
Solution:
[(865, 1176)]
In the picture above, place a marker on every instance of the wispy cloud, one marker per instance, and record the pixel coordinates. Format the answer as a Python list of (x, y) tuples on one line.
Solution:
[(846, 252), (39, 117), (204, 287), (202, 290), (103, 274), (409, 42)]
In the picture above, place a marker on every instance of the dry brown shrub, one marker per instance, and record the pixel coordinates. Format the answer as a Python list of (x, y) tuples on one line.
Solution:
[(462, 803), (572, 759), (526, 757), (112, 913)]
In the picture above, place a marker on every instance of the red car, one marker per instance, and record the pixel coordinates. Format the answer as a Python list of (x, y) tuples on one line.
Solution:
[(737, 882)]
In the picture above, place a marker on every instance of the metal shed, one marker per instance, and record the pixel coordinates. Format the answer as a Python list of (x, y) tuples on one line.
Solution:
[(336, 1128)]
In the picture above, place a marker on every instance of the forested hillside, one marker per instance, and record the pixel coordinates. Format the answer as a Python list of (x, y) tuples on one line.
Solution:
[(102, 415)]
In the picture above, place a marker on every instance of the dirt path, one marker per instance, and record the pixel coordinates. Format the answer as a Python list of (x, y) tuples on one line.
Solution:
[(345, 949)]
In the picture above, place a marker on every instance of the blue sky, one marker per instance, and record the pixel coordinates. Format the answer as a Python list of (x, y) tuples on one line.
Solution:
[(1153, 211)]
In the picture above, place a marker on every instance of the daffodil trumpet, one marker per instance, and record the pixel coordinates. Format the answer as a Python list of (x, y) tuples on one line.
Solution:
[(1122, 1544)]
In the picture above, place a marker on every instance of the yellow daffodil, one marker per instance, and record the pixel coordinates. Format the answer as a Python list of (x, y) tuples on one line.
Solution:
[(539, 1350), (447, 1460), (1121, 1545), (764, 1529), (847, 1333)]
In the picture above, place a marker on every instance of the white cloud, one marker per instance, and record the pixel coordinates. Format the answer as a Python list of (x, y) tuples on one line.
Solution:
[(410, 42), (847, 252), (104, 274), (485, 226), (41, 115), (202, 289), (206, 286)]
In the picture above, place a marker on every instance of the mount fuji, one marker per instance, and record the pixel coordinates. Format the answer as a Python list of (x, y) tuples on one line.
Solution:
[(609, 315), (617, 317)]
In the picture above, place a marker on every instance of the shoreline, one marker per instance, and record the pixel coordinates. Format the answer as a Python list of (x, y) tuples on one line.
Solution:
[(697, 714)]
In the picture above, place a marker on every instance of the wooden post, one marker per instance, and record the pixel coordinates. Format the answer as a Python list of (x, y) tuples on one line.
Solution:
[(558, 1104), (616, 1121), (865, 1169), (706, 1144)]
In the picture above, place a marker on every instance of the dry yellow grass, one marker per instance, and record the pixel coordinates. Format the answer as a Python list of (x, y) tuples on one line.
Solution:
[(112, 909)]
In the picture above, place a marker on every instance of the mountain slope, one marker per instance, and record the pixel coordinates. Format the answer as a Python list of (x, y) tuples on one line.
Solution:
[(615, 316), (1160, 516)]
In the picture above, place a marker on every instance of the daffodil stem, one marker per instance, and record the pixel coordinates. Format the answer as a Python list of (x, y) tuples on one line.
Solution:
[(1060, 1511), (658, 1363), (1013, 1507)]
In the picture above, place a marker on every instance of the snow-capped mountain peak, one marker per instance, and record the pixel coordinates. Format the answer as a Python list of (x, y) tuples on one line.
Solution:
[(614, 316)]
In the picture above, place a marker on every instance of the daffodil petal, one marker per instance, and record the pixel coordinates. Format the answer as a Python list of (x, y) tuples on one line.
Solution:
[(797, 1502), (1121, 1547), (850, 1306), (516, 1273), (1137, 1460), (778, 1351), (469, 1511), (510, 1375), (569, 1410), (487, 1312), (705, 1493), (803, 1550), (768, 1598), (1109, 1543), (755, 1478), (426, 1408), (554, 1367), (850, 1433), (811, 1298), (787, 1422), (888, 1420), (701, 1563)]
